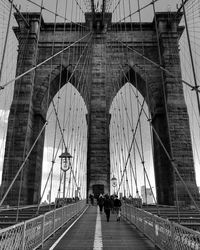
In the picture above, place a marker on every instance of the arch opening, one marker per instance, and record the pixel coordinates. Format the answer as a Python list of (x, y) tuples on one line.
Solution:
[(71, 119), (130, 146), (150, 89)]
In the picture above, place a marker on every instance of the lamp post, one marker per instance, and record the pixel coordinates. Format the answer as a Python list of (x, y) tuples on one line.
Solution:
[(65, 165), (114, 182)]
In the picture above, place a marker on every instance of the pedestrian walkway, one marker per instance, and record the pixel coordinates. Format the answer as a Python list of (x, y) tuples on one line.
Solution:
[(92, 231)]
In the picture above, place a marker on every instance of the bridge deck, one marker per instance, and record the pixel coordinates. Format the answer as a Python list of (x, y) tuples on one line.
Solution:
[(112, 234)]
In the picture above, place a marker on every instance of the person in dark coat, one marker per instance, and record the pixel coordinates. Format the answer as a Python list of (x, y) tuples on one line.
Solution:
[(107, 206), (112, 203), (100, 202), (117, 205), (91, 196)]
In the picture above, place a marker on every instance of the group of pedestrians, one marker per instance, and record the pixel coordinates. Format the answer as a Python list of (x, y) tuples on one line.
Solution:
[(109, 204)]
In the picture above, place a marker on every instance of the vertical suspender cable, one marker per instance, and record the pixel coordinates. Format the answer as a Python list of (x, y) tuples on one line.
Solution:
[(48, 97), (141, 141), (131, 107), (6, 40), (25, 142), (191, 55)]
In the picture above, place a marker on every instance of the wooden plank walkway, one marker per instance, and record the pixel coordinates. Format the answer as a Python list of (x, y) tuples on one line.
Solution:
[(106, 235)]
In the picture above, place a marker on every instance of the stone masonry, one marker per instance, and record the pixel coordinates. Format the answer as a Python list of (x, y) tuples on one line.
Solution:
[(163, 95)]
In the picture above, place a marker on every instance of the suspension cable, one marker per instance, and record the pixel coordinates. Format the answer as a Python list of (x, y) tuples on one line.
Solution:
[(138, 10), (23, 164), (133, 139), (191, 56), (43, 62), (19, 12), (6, 39), (159, 66), (171, 160), (77, 24)]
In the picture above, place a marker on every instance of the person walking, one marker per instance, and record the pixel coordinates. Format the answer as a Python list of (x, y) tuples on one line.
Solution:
[(100, 202), (112, 204), (107, 207), (117, 206), (91, 196)]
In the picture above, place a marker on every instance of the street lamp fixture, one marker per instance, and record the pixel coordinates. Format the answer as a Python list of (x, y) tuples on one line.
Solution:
[(65, 160), (65, 165), (114, 182)]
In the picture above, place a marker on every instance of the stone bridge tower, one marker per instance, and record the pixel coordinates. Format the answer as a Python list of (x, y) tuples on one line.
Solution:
[(163, 95)]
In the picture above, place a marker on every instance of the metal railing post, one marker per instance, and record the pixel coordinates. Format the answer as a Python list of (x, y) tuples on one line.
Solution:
[(24, 236), (43, 228), (63, 215), (172, 229), (131, 211), (126, 210), (135, 214), (143, 223), (76, 208), (154, 228), (53, 221)]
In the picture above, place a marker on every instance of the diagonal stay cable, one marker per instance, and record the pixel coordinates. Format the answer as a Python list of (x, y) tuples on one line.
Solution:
[(52, 12), (159, 66), (133, 139), (138, 10), (145, 171), (191, 55), (79, 7), (19, 12), (134, 174), (168, 155), (43, 62), (116, 6), (55, 110), (181, 6), (176, 170), (141, 155), (26, 158), (170, 159), (62, 135), (23, 164), (48, 177), (6, 40)]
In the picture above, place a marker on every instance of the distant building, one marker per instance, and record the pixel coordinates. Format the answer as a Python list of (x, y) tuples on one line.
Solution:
[(147, 197)]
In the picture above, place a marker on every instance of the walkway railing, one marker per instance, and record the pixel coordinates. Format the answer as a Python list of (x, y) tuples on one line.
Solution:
[(32, 233), (163, 233)]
